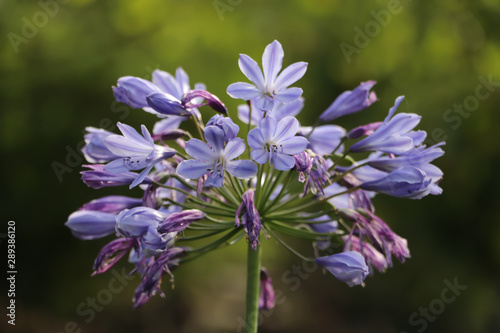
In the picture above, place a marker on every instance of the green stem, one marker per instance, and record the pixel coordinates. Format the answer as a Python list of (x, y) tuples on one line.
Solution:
[(252, 297), (198, 127)]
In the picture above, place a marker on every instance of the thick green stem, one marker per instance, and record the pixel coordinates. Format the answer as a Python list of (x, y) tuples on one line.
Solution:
[(252, 297)]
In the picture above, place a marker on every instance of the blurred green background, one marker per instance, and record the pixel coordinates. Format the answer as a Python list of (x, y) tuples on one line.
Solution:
[(58, 61)]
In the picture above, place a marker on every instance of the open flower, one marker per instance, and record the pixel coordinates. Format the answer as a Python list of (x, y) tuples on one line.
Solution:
[(215, 158), (136, 152), (275, 142), (270, 87)]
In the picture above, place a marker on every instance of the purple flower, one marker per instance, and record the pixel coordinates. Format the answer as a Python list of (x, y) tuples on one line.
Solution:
[(350, 101), (393, 135), (312, 171), (279, 111), (270, 87), (94, 150), (154, 271), (349, 267), (229, 128), (136, 152), (250, 218), (215, 158), (267, 296), (167, 104), (372, 256), (89, 224), (407, 182), (112, 204), (275, 142), (324, 139), (177, 222), (111, 253), (132, 91), (136, 221), (378, 232), (363, 130), (97, 177)]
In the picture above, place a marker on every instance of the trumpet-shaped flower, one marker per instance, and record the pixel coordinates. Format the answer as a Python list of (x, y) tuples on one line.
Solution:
[(407, 182), (270, 87), (95, 151), (112, 204), (349, 267), (89, 224), (229, 128), (250, 218), (275, 142), (350, 101), (97, 177), (393, 135), (267, 295), (136, 152), (215, 158)]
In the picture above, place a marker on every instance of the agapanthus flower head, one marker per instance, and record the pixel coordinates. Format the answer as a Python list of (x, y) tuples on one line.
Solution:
[(350, 101), (188, 190), (215, 157), (136, 152), (276, 142), (349, 267), (268, 87)]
